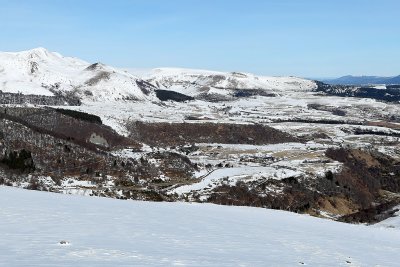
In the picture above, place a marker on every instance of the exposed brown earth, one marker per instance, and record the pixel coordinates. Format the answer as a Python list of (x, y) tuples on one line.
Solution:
[(394, 126)]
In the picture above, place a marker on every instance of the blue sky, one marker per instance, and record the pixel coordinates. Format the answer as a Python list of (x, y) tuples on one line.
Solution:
[(310, 38)]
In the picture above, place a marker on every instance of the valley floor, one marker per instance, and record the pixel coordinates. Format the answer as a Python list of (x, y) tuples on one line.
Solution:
[(109, 232)]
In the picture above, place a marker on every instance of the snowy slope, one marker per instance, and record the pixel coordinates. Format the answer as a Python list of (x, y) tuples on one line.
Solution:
[(393, 222), (195, 82), (41, 72), (107, 232)]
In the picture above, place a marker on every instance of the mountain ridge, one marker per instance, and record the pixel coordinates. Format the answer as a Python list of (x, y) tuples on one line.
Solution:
[(363, 80), (41, 72)]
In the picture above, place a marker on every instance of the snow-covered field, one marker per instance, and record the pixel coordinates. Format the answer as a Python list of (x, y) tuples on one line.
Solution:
[(108, 232)]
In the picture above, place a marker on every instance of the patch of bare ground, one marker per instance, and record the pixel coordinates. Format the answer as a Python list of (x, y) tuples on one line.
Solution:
[(337, 205), (394, 126)]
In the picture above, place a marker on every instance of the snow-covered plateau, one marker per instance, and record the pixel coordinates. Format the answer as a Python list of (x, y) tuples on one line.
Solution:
[(45, 229)]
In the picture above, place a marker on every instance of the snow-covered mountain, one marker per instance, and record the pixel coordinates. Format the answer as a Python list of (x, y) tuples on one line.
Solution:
[(195, 82), (41, 72)]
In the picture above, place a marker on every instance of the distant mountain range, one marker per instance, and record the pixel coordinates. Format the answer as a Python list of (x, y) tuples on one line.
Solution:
[(363, 80), (41, 72)]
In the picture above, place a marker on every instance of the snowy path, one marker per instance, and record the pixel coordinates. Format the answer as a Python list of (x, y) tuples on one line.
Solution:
[(108, 232)]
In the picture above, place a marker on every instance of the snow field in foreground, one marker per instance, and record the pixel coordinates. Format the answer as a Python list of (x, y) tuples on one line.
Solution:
[(109, 232)]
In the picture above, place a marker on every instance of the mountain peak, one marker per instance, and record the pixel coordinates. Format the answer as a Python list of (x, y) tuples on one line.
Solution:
[(96, 66), (38, 51)]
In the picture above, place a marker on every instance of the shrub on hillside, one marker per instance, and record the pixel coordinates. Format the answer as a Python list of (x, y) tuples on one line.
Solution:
[(80, 115), (19, 160)]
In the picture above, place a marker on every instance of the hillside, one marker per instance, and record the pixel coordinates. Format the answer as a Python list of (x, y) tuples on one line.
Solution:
[(44, 229)]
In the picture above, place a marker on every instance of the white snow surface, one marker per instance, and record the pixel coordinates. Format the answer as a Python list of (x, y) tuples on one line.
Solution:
[(108, 232), (194, 82), (35, 71), (393, 222)]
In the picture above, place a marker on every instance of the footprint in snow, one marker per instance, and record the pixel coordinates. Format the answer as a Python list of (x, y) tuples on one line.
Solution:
[(64, 243)]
